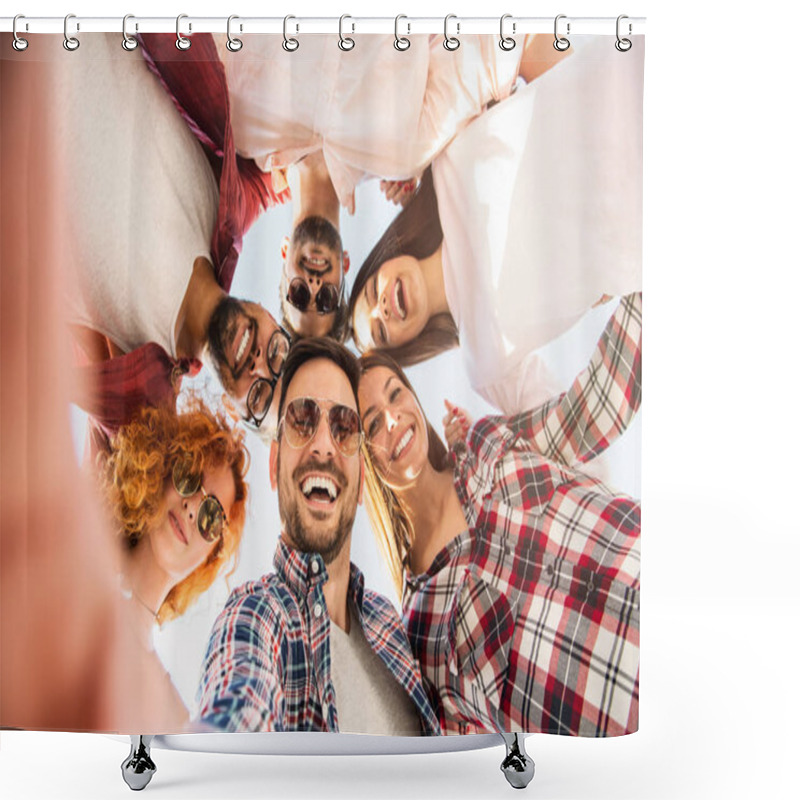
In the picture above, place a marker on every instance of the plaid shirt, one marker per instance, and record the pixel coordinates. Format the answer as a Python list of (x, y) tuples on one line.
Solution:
[(529, 620), (268, 662)]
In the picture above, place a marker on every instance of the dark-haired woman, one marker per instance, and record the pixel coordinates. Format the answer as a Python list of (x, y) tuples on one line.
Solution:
[(519, 572), (530, 217)]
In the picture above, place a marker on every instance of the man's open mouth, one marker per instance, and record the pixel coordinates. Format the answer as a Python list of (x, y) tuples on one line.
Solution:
[(319, 489)]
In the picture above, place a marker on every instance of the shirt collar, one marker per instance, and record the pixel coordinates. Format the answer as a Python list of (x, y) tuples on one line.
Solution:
[(302, 572)]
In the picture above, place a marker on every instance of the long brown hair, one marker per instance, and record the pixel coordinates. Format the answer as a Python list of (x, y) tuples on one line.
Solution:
[(143, 455), (388, 514), (416, 231)]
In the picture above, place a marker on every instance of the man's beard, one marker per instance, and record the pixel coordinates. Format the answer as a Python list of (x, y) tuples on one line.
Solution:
[(317, 230), (304, 537), (221, 331)]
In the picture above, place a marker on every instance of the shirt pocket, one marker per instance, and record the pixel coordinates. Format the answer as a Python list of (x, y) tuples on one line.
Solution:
[(481, 629)]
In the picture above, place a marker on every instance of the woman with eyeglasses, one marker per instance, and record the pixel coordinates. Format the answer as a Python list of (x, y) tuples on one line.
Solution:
[(175, 485), (529, 218), (518, 571)]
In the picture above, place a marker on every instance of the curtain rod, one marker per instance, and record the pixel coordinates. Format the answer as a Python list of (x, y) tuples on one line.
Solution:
[(349, 25)]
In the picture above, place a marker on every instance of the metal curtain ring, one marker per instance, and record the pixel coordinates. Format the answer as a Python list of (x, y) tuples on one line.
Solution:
[(181, 42), (451, 42), (18, 43), (623, 45), (70, 42), (506, 42), (128, 42), (400, 42), (289, 44), (233, 44), (561, 43), (345, 42)]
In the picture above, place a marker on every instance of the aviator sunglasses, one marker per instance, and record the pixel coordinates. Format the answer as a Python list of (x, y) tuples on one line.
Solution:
[(211, 519), (302, 417), (326, 300)]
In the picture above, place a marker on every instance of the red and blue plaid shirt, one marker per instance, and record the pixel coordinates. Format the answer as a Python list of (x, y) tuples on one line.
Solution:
[(529, 620), (268, 662)]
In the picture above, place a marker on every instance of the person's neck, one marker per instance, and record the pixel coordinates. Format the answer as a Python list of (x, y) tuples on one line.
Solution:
[(433, 275), (148, 584), (337, 589), (313, 194), (202, 296), (436, 515)]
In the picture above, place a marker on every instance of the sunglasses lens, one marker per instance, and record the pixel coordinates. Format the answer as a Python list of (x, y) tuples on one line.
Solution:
[(211, 519), (185, 481), (258, 399), (327, 298), (277, 351), (345, 429), (299, 294), (302, 418)]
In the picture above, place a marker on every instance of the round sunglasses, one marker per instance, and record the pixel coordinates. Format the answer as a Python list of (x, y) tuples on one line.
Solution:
[(211, 519), (259, 395), (326, 300), (302, 417)]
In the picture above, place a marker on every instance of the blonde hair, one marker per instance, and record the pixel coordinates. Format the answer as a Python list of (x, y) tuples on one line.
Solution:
[(135, 474), (388, 514)]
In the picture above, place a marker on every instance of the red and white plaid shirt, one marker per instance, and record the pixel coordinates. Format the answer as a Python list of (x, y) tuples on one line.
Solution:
[(529, 620)]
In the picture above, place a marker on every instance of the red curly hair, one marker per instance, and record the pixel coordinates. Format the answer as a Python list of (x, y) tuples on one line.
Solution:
[(143, 454)]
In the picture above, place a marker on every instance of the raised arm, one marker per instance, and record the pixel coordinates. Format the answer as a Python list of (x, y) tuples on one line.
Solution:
[(582, 422), (242, 689)]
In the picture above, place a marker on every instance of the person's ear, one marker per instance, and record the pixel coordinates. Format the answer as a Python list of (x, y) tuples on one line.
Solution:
[(285, 248), (345, 261), (273, 464), (361, 473)]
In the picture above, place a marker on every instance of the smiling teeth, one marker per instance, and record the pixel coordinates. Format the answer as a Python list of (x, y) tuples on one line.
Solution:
[(243, 345), (403, 442), (318, 482), (397, 304)]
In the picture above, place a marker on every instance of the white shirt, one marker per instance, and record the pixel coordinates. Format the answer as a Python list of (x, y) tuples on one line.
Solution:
[(143, 199), (373, 111), (540, 201)]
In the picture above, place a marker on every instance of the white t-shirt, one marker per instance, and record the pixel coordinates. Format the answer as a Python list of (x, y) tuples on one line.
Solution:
[(373, 111), (540, 201), (143, 199), (368, 698)]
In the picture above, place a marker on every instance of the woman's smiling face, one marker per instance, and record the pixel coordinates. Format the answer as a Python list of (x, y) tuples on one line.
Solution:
[(394, 425), (392, 309)]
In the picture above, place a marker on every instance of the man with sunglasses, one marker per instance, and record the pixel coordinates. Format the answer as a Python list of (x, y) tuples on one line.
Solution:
[(308, 647), (314, 261)]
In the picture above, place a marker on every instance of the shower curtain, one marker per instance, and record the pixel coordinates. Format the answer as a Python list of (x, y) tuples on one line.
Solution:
[(178, 223)]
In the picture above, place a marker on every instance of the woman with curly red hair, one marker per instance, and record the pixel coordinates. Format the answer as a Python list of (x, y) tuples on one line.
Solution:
[(175, 486)]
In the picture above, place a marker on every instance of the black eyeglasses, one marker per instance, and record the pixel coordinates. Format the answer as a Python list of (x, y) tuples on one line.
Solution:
[(302, 417), (326, 300), (211, 518), (259, 396)]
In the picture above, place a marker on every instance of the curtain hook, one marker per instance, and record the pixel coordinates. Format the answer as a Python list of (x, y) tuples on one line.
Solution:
[(506, 42), (561, 43), (233, 44), (289, 43), (181, 42), (451, 42), (623, 45), (128, 42), (18, 43), (400, 42), (70, 42), (345, 42)]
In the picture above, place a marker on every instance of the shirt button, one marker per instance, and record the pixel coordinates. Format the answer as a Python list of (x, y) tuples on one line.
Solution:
[(314, 566), (317, 610), (549, 569)]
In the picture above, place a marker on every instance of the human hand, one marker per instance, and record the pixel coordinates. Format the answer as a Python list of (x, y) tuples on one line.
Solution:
[(457, 423), (399, 192)]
